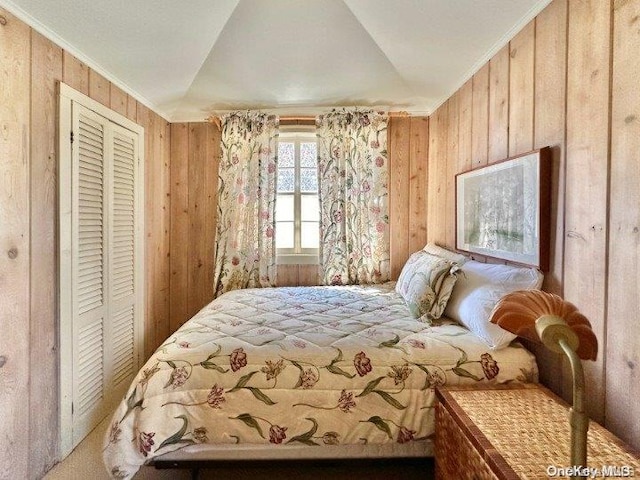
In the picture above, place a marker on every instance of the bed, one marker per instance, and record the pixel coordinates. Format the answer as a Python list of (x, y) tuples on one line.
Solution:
[(304, 372)]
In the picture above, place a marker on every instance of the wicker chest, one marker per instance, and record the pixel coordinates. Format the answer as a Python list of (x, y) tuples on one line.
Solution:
[(517, 432)]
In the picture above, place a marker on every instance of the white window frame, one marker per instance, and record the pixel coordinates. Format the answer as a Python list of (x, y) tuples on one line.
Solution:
[(297, 254)]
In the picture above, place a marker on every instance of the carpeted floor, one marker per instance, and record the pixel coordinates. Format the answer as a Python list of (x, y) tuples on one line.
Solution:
[(85, 462)]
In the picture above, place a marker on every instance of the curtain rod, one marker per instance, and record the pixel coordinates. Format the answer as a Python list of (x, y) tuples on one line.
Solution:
[(215, 119)]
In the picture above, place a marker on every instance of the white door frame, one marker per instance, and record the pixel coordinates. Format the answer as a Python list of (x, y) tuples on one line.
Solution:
[(67, 96)]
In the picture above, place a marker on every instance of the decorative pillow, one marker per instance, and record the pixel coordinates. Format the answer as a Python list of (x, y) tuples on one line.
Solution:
[(450, 255), (425, 283), (478, 289)]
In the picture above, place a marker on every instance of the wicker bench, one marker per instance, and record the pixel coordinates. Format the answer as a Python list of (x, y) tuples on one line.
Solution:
[(519, 431)]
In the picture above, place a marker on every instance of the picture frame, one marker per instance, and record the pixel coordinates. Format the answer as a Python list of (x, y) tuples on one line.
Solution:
[(503, 209)]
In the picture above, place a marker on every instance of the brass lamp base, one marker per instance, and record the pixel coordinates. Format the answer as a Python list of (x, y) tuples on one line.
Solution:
[(556, 334)]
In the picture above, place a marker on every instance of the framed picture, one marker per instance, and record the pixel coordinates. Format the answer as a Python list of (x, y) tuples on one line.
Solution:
[(503, 210)]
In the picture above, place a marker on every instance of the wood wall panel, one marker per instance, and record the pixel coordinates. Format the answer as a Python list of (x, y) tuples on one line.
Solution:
[(288, 276), (118, 100), (521, 50), (157, 211), (550, 103), (99, 88), (15, 71), (145, 119), (308, 275), (499, 106), (203, 138), (132, 108), (197, 193), (623, 360), (451, 155), (179, 258), (46, 71), (75, 73), (587, 172), (436, 201), (162, 158), (399, 140), (480, 118), (549, 128), (297, 275), (418, 171), (465, 127), (558, 94)]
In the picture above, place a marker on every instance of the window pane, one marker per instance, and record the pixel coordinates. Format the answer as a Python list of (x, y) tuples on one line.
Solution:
[(284, 234), (286, 180), (308, 154), (309, 208), (308, 180), (309, 235), (284, 208), (285, 154)]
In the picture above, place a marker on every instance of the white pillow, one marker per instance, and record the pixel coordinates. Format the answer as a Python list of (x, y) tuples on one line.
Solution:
[(441, 252), (478, 288)]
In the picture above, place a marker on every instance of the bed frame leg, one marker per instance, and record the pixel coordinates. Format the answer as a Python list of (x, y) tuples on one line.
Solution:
[(195, 473)]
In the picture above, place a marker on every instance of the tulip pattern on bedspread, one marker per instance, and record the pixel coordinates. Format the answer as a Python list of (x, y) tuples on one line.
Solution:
[(304, 365)]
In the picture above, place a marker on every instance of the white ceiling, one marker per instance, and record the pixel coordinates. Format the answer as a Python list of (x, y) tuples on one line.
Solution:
[(188, 59)]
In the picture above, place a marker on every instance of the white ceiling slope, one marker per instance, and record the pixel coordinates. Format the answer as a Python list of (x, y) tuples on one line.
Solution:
[(187, 60)]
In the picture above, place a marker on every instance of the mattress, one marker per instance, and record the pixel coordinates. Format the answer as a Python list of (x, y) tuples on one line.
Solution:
[(302, 366)]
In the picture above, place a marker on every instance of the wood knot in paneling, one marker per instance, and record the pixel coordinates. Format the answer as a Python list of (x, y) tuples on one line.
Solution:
[(574, 234), (630, 119), (12, 253), (3, 20)]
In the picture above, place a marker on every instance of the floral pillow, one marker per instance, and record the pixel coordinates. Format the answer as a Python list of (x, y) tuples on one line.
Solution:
[(425, 283)]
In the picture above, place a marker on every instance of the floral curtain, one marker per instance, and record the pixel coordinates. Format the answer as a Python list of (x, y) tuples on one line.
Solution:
[(245, 242), (353, 177)]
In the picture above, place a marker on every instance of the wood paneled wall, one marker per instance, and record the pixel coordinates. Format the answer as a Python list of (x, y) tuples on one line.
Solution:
[(622, 367), (567, 80), (408, 148), (30, 67), (297, 275), (195, 150)]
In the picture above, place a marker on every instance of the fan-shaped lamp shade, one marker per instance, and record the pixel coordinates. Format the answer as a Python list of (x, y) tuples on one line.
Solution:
[(541, 316), (517, 312)]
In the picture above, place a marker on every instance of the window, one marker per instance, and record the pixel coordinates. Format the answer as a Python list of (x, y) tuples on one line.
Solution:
[(297, 207)]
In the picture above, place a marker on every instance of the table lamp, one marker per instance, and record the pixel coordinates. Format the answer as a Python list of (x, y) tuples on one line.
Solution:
[(547, 318)]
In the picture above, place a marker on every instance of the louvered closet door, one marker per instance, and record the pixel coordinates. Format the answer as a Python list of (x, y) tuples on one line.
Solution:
[(89, 269), (106, 295), (122, 250)]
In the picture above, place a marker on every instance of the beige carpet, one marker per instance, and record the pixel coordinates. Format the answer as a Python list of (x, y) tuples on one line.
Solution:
[(85, 463)]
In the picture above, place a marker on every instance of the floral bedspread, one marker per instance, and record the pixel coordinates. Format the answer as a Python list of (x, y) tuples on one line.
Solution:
[(306, 365)]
